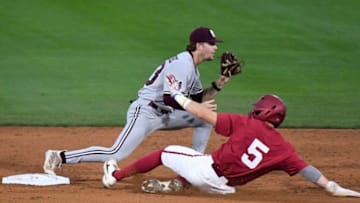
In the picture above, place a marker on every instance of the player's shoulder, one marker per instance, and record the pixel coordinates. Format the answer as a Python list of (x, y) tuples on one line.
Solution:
[(184, 55), (183, 61), (181, 58), (239, 119)]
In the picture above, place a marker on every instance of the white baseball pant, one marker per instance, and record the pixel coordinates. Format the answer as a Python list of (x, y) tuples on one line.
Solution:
[(196, 168)]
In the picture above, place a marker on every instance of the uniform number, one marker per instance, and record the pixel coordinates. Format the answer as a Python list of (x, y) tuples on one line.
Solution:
[(256, 148), (158, 71), (155, 75)]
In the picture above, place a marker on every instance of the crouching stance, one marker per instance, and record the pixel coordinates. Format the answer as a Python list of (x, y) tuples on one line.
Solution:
[(254, 148)]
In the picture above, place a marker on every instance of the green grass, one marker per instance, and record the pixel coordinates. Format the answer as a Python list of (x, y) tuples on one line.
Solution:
[(80, 62)]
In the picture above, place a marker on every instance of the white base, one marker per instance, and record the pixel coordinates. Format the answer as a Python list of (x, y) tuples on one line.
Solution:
[(37, 179)]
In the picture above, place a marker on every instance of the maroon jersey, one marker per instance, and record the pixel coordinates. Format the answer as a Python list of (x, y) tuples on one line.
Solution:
[(253, 149)]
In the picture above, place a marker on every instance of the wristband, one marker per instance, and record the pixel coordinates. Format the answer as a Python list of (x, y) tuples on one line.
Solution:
[(215, 87), (181, 100)]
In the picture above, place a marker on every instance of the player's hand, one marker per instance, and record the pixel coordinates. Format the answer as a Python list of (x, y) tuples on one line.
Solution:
[(336, 190), (173, 84), (222, 81), (210, 104)]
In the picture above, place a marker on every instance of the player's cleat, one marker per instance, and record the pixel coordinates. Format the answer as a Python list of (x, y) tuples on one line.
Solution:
[(52, 161), (108, 179), (157, 186)]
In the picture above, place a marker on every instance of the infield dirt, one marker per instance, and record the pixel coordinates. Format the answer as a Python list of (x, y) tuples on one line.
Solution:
[(336, 152)]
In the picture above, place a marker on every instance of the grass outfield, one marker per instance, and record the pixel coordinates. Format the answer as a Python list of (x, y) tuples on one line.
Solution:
[(80, 62)]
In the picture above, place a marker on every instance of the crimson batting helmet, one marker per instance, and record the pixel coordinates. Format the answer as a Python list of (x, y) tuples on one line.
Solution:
[(269, 108)]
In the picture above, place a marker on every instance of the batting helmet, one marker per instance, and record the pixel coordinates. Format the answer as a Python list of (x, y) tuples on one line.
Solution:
[(269, 108)]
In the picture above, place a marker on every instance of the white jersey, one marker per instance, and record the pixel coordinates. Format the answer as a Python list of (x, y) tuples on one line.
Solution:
[(183, 68)]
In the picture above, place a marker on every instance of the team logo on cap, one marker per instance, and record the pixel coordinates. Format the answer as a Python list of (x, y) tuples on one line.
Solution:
[(212, 33)]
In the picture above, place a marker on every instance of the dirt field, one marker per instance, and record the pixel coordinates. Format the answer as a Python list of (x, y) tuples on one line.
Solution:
[(335, 152)]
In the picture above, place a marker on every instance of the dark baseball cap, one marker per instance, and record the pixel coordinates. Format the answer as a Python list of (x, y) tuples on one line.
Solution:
[(203, 34)]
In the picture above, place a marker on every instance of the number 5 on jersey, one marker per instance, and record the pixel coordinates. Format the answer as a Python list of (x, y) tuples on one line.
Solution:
[(256, 149)]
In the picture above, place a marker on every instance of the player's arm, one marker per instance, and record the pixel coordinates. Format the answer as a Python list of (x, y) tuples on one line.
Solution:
[(204, 111), (215, 87), (229, 66), (312, 174)]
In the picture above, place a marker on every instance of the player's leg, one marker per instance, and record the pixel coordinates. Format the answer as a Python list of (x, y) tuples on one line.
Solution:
[(112, 173), (183, 119), (193, 166), (140, 124), (148, 162), (196, 168), (141, 121), (200, 137), (141, 165)]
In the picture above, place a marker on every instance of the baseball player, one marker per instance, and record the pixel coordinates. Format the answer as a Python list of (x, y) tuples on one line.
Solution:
[(253, 148), (154, 108)]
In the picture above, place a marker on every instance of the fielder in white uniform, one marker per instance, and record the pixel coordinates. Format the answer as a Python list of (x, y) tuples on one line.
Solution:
[(154, 108)]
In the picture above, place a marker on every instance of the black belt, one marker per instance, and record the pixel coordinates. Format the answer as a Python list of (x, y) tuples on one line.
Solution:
[(216, 169), (157, 108)]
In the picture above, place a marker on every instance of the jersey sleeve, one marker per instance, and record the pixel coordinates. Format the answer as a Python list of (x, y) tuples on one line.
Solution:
[(180, 76), (223, 125), (293, 164), (183, 70), (226, 123)]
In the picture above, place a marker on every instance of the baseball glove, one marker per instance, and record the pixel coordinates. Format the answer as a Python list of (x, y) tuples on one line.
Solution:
[(230, 65)]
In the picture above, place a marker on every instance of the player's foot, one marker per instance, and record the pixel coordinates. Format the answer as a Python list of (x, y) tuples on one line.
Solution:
[(108, 179), (157, 186), (52, 161)]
